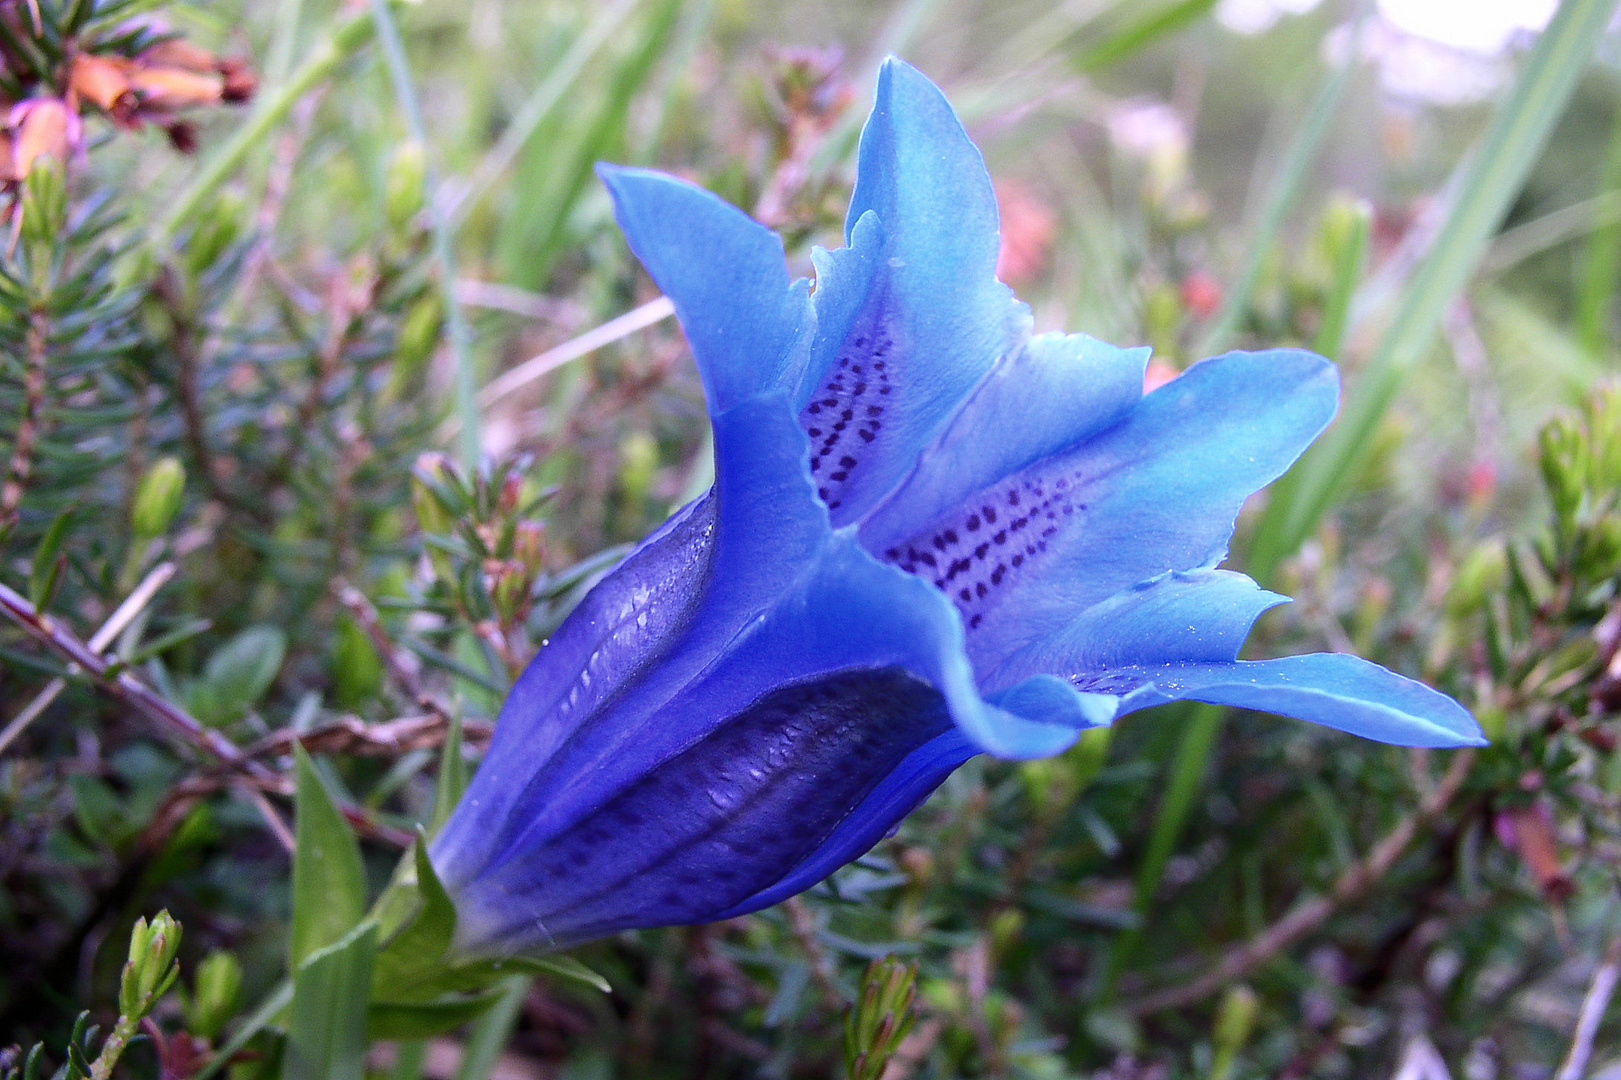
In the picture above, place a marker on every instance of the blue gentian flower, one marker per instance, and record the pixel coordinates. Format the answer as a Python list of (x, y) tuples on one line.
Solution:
[(931, 535)]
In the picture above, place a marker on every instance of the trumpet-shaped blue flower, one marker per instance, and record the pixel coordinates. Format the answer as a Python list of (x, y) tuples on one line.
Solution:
[(931, 535)]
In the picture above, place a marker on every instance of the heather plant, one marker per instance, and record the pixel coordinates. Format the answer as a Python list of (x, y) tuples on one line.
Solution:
[(329, 389)]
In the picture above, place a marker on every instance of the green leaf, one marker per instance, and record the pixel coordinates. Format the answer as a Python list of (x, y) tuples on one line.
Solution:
[(452, 775), (47, 562), (326, 1024), (1141, 32), (237, 675), (425, 1019), (329, 882)]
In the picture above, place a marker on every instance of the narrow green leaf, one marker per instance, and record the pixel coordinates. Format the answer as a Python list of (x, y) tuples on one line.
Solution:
[(1487, 182), (329, 881), (1201, 730), (339, 44), (553, 93), (270, 1008), (417, 952), (326, 1024), (1141, 32), (452, 776), (1601, 269), (1290, 180), (425, 1019), (492, 1030), (1348, 263), (238, 674), (47, 562)]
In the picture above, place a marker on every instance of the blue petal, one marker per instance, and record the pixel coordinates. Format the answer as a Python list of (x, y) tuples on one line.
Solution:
[(1181, 617), (625, 624), (896, 796), (1333, 689), (1054, 393), (1158, 491), (909, 315), (776, 722), (748, 327)]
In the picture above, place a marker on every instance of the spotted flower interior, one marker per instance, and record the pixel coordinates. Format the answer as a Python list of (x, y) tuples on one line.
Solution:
[(931, 535)]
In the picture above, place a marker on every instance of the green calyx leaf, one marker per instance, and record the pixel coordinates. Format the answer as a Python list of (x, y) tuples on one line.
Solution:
[(419, 987)]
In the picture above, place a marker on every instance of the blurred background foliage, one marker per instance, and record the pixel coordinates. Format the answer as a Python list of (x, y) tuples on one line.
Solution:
[(310, 434)]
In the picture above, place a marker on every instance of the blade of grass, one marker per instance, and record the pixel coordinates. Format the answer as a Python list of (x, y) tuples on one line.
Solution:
[(1281, 197), (1349, 262), (552, 92), (341, 43), (1488, 181), (556, 165), (457, 332), (490, 1032), (1141, 32), (1586, 218), (839, 145), (1601, 269), (1203, 725)]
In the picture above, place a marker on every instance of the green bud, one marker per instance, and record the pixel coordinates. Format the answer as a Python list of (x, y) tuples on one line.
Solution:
[(151, 969), (639, 460), (1602, 558), (880, 1017), (357, 669), (405, 184), (44, 203), (218, 227), (1235, 1021), (217, 993), (420, 332), (1162, 319), (157, 498), (437, 494), (1482, 573), (1564, 462), (1345, 222), (1604, 435), (1006, 926)]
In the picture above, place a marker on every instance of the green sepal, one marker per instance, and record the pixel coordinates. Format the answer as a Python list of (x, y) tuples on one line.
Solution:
[(425, 1019), (418, 988)]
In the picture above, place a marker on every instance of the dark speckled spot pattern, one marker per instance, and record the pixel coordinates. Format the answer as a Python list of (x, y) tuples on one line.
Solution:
[(846, 416), (994, 538)]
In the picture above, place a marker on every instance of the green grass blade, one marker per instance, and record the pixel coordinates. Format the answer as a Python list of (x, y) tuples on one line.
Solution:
[(1601, 267), (457, 333), (343, 42), (1141, 32), (326, 1023), (490, 1032), (1349, 259), (1285, 190), (1203, 727), (1487, 183), (553, 92)]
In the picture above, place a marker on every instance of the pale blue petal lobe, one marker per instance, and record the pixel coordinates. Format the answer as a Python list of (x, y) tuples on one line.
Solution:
[(1199, 616), (909, 315), (1333, 689), (1158, 491), (748, 326)]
